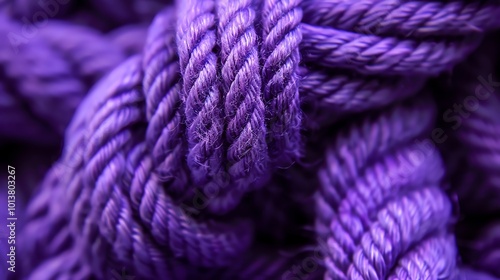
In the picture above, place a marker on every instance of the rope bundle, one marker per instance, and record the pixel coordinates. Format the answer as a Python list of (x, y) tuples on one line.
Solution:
[(163, 157)]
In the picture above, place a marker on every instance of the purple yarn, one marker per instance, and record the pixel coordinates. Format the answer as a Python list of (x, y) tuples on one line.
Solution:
[(425, 261), (348, 92), (256, 139), (480, 135), (29, 64)]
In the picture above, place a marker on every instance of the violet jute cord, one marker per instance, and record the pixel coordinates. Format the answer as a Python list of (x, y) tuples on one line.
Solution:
[(211, 105)]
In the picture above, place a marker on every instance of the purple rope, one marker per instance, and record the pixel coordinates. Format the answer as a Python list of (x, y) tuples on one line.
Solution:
[(210, 103), (365, 208), (244, 109), (108, 197), (280, 50), (348, 93), (30, 65), (406, 18), (196, 40), (130, 38), (426, 260), (480, 135), (381, 55)]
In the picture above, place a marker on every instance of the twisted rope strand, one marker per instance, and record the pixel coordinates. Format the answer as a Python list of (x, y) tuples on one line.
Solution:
[(477, 180), (48, 233), (376, 55), (425, 260), (332, 95), (162, 88), (406, 18), (104, 214), (196, 40), (130, 38), (206, 244), (348, 92), (479, 132), (280, 52), (400, 225), (247, 157), (87, 62), (357, 222), (383, 182)]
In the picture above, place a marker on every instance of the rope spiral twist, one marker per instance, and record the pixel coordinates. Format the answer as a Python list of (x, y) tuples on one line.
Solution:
[(366, 206), (370, 190)]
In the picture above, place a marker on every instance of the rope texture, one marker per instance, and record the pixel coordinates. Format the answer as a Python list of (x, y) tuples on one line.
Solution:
[(59, 69), (172, 152)]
